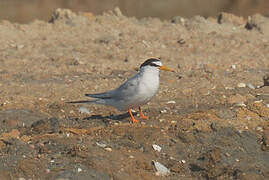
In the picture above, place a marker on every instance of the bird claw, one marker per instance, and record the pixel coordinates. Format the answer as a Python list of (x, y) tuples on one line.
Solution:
[(135, 121), (144, 117)]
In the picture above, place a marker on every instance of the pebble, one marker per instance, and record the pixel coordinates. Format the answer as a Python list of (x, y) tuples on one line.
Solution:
[(259, 101), (241, 85), (132, 157), (163, 111), (102, 145), (183, 161), (83, 110), (267, 105), (108, 149), (234, 66), (20, 46), (251, 86), (157, 147), (240, 105), (171, 102), (259, 128), (161, 169), (79, 169), (229, 88)]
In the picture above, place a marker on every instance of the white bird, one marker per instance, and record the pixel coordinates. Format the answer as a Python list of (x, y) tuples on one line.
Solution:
[(135, 92)]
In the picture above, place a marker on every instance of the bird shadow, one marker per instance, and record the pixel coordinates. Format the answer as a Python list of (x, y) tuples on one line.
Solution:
[(118, 117)]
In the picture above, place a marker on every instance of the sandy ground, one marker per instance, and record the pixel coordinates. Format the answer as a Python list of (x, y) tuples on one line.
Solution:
[(209, 118)]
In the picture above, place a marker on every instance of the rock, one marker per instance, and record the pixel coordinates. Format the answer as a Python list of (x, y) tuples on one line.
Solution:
[(83, 109), (45, 126), (14, 133), (241, 85), (266, 80), (68, 17), (178, 20), (230, 18), (235, 99), (161, 169), (60, 14), (260, 109), (265, 142), (14, 118), (156, 147), (84, 175), (258, 22)]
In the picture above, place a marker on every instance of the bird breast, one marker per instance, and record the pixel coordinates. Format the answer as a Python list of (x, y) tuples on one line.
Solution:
[(148, 87)]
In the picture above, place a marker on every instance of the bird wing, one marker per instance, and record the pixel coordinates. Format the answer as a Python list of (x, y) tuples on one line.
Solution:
[(127, 89)]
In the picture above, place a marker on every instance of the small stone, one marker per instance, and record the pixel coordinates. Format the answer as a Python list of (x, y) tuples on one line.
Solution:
[(45, 126), (157, 147), (171, 102), (83, 110), (241, 85), (183, 161), (108, 149), (237, 99), (233, 66), (102, 145), (266, 80), (131, 157), (229, 88), (251, 86), (178, 20), (163, 111), (259, 128), (161, 169), (181, 41), (79, 169), (20, 46)]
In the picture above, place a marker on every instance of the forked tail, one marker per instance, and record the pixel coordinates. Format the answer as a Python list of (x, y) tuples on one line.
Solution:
[(80, 102)]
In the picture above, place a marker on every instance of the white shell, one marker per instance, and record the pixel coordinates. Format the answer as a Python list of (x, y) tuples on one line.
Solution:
[(161, 169)]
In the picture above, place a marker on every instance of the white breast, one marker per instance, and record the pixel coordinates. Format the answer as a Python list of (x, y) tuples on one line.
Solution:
[(148, 86)]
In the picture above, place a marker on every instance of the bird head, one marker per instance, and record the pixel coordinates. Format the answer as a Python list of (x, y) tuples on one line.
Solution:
[(155, 63)]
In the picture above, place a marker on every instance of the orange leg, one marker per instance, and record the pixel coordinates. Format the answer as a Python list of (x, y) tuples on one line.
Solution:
[(132, 116), (142, 115)]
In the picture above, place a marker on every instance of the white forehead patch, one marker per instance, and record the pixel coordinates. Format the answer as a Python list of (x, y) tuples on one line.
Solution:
[(159, 63)]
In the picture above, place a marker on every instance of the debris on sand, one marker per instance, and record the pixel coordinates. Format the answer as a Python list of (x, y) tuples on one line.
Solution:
[(161, 169), (157, 147), (83, 109)]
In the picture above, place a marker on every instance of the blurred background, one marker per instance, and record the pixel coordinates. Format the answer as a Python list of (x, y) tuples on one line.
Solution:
[(24, 11)]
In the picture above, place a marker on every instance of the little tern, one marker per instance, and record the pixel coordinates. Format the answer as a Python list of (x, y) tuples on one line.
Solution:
[(135, 92)]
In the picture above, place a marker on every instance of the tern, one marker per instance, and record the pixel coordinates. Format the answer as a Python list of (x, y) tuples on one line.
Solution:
[(135, 92)]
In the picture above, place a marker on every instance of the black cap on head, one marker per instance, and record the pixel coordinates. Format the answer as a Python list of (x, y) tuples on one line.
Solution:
[(151, 62)]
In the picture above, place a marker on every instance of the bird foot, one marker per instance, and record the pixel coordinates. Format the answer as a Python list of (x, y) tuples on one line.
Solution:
[(144, 117)]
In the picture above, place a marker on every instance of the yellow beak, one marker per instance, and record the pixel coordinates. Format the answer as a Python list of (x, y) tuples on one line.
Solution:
[(166, 69)]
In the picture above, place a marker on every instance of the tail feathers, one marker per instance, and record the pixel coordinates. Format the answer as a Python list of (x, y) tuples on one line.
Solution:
[(80, 102), (100, 95)]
